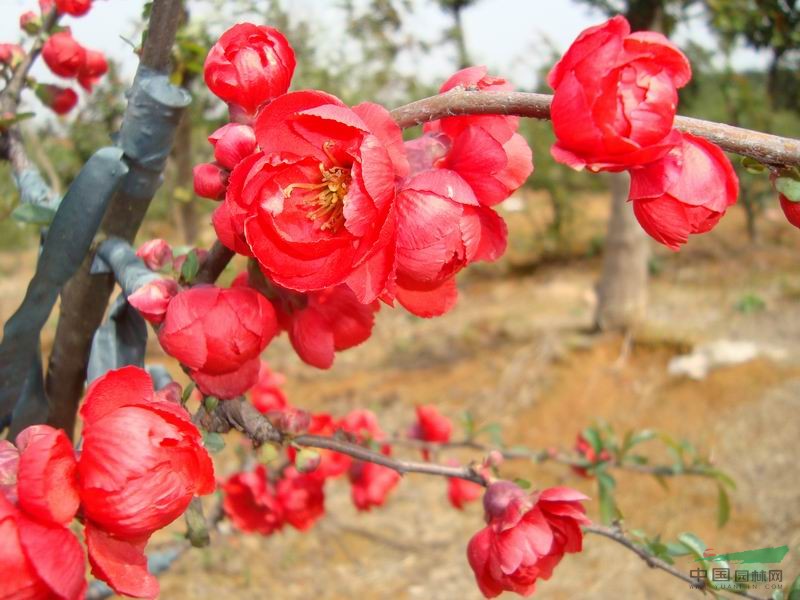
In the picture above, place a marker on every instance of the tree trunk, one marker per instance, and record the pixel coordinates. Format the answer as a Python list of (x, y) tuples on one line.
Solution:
[(622, 289)]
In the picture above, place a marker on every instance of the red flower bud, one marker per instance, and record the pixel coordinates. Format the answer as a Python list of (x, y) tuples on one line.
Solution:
[(219, 334), (63, 54), (210, 181), (30, 22), (60, 100), (152, 299), (249, 66), (142, 459), (294, 422), (155, 253), (232, 144)]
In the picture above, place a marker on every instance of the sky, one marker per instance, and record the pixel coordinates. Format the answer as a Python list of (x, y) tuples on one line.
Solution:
[(512, 37)]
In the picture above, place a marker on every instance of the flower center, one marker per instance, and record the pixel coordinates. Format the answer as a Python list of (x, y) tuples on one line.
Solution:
[(328, 203)]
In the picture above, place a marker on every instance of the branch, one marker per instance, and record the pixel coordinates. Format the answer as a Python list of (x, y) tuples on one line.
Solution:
[(542, 456), (243, 416), (616, 534), (218, 258), (763, 147)]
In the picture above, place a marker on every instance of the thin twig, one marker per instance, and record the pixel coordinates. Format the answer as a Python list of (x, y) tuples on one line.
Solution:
[(556, 456), (617, 535), (763, 147)]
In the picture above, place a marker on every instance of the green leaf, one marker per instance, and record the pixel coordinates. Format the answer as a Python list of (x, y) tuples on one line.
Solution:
[(523, 483), (695, 545), (723, 478), (751, 165), (210, 403), (592, 435), (677, 549), (723, 506), (789, 187), (495, 432), (213, 441), (33, 214), (609, 511), (187, 392), (12, 120), (190, 267)]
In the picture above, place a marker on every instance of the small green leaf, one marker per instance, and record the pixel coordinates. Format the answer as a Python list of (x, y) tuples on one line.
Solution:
[(210, 403), (213, 441), (751, 165), (677, 549), (592, 435), (33, 214), (723, 506), (789, 187), (12, 120), (495, 432), (523, 483), (187, 392), (190, 267), (695, 545)]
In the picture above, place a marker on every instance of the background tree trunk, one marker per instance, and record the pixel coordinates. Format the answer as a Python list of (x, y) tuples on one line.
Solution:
[(184, 181), (622, 289)]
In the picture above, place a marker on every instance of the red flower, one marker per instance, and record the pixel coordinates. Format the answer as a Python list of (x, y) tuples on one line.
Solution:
[(249, 66), (93, 68), (363, 425), (11, 54), (301, 497), (686, 192), (210, 181), (371, 484), (316, 204), (76, 8), (267, 395), (585, 449), (324, 322), (461, 491), (251, 503), (58, 99), (232, 144), (38, 560), (526, 537), (63, 54), (615, 97), (441, 228), (152, 299), (142, 460), (219, 334), (155, 253)]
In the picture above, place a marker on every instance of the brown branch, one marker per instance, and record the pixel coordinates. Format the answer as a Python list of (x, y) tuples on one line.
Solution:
[(564, 458), (616, 534), (218, 258), (763, 147), (241, 415)]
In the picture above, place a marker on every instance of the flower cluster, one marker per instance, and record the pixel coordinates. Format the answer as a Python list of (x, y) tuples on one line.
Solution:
[(616, 95), (64, 56), (141, 463), (335, 209)]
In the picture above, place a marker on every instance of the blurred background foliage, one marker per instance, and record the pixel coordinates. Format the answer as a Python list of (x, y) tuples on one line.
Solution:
[(368, 66)]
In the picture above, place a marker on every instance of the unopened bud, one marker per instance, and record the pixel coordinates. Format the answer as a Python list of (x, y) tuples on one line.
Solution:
[(307, 460), (294, 422)]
